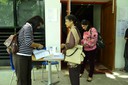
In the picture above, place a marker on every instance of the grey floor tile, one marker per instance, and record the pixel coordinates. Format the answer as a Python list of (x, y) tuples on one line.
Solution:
[(117, 78)]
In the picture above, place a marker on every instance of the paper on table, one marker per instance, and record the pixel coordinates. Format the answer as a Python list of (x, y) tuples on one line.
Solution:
[(55, 56), (40, 53)]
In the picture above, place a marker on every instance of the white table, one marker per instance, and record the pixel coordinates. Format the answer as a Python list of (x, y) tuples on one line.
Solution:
[(56, 57)]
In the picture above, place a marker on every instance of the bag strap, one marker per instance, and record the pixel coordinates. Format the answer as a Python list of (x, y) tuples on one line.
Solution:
[(90, 32), (72, 53)]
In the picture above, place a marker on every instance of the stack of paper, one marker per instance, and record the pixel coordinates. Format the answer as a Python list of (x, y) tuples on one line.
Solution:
[(40, 53)]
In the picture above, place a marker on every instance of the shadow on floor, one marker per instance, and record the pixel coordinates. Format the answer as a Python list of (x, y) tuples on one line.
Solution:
[(99, 69)]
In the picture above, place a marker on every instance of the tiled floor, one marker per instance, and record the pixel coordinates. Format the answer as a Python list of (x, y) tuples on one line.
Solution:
[(117, 78)]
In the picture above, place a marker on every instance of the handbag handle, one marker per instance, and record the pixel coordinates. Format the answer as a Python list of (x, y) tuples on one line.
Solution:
[(72, 53)]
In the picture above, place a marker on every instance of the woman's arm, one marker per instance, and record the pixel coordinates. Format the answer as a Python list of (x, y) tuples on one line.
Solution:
[(126, 34), (90, 38)]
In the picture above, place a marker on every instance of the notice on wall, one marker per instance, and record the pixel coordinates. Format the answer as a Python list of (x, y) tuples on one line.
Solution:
[(52, 14), (122, 26), (122, 22)]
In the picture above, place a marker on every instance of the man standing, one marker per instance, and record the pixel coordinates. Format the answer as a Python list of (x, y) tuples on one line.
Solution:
[(126, 51)]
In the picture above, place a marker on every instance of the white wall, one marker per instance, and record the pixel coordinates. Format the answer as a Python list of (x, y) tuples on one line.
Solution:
[(121, 18), (52, 25), (97, 16)]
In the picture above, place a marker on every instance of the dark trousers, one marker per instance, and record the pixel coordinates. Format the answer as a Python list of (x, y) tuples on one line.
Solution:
[(126, 57), (90, 57), (126, 64), (23, 67), (74, 75)]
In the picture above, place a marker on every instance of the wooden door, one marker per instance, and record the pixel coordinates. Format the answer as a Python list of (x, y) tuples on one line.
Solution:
[(108, 33)]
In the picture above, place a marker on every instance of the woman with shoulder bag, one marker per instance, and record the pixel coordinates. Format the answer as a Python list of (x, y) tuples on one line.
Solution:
[(89, 41), (72, 41)]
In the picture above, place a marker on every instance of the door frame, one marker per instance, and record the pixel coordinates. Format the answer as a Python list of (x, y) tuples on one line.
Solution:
[(112, 66), (100, 3)]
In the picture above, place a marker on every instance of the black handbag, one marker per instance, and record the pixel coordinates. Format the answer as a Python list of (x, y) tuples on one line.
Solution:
[(100, 43)]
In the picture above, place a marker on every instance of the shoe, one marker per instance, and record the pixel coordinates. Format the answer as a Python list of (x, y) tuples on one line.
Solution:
[(66, 73), (122, 70), (80, 75), (89, 79)]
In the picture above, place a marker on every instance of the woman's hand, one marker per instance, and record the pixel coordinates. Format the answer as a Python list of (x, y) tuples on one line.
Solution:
[(40, 46), (62, 46), (84, 44), (37, 45)]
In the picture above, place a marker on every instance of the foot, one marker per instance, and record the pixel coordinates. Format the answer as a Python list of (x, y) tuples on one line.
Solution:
[(89, 79), (80, 75), (123, 70), (66, 73)]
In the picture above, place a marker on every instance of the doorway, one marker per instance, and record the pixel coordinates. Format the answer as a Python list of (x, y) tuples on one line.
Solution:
[(87, 11), (81, 12)]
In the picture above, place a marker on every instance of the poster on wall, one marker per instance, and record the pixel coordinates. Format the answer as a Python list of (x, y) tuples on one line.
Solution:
[(122, 26), (122, 20), (52, 14)]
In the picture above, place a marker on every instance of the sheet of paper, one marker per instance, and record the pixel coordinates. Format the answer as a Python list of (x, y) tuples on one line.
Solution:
[(55, 56), (40, 53)]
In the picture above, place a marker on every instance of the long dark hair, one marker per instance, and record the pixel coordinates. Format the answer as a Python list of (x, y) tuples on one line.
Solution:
[(86, 22), (35, 21)]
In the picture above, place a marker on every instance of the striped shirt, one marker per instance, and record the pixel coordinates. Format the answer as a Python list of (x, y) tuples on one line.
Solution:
[(25, 39)]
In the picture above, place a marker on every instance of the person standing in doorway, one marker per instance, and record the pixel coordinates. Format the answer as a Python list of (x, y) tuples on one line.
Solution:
[(23, 60), (89, 42), (72, 41), (126, 51)]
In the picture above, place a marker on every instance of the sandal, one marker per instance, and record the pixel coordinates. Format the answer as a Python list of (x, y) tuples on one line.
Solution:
[(80, 75), (89, 79)]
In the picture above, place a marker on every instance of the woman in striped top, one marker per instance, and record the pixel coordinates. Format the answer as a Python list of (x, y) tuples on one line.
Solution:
[(26, 44)]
